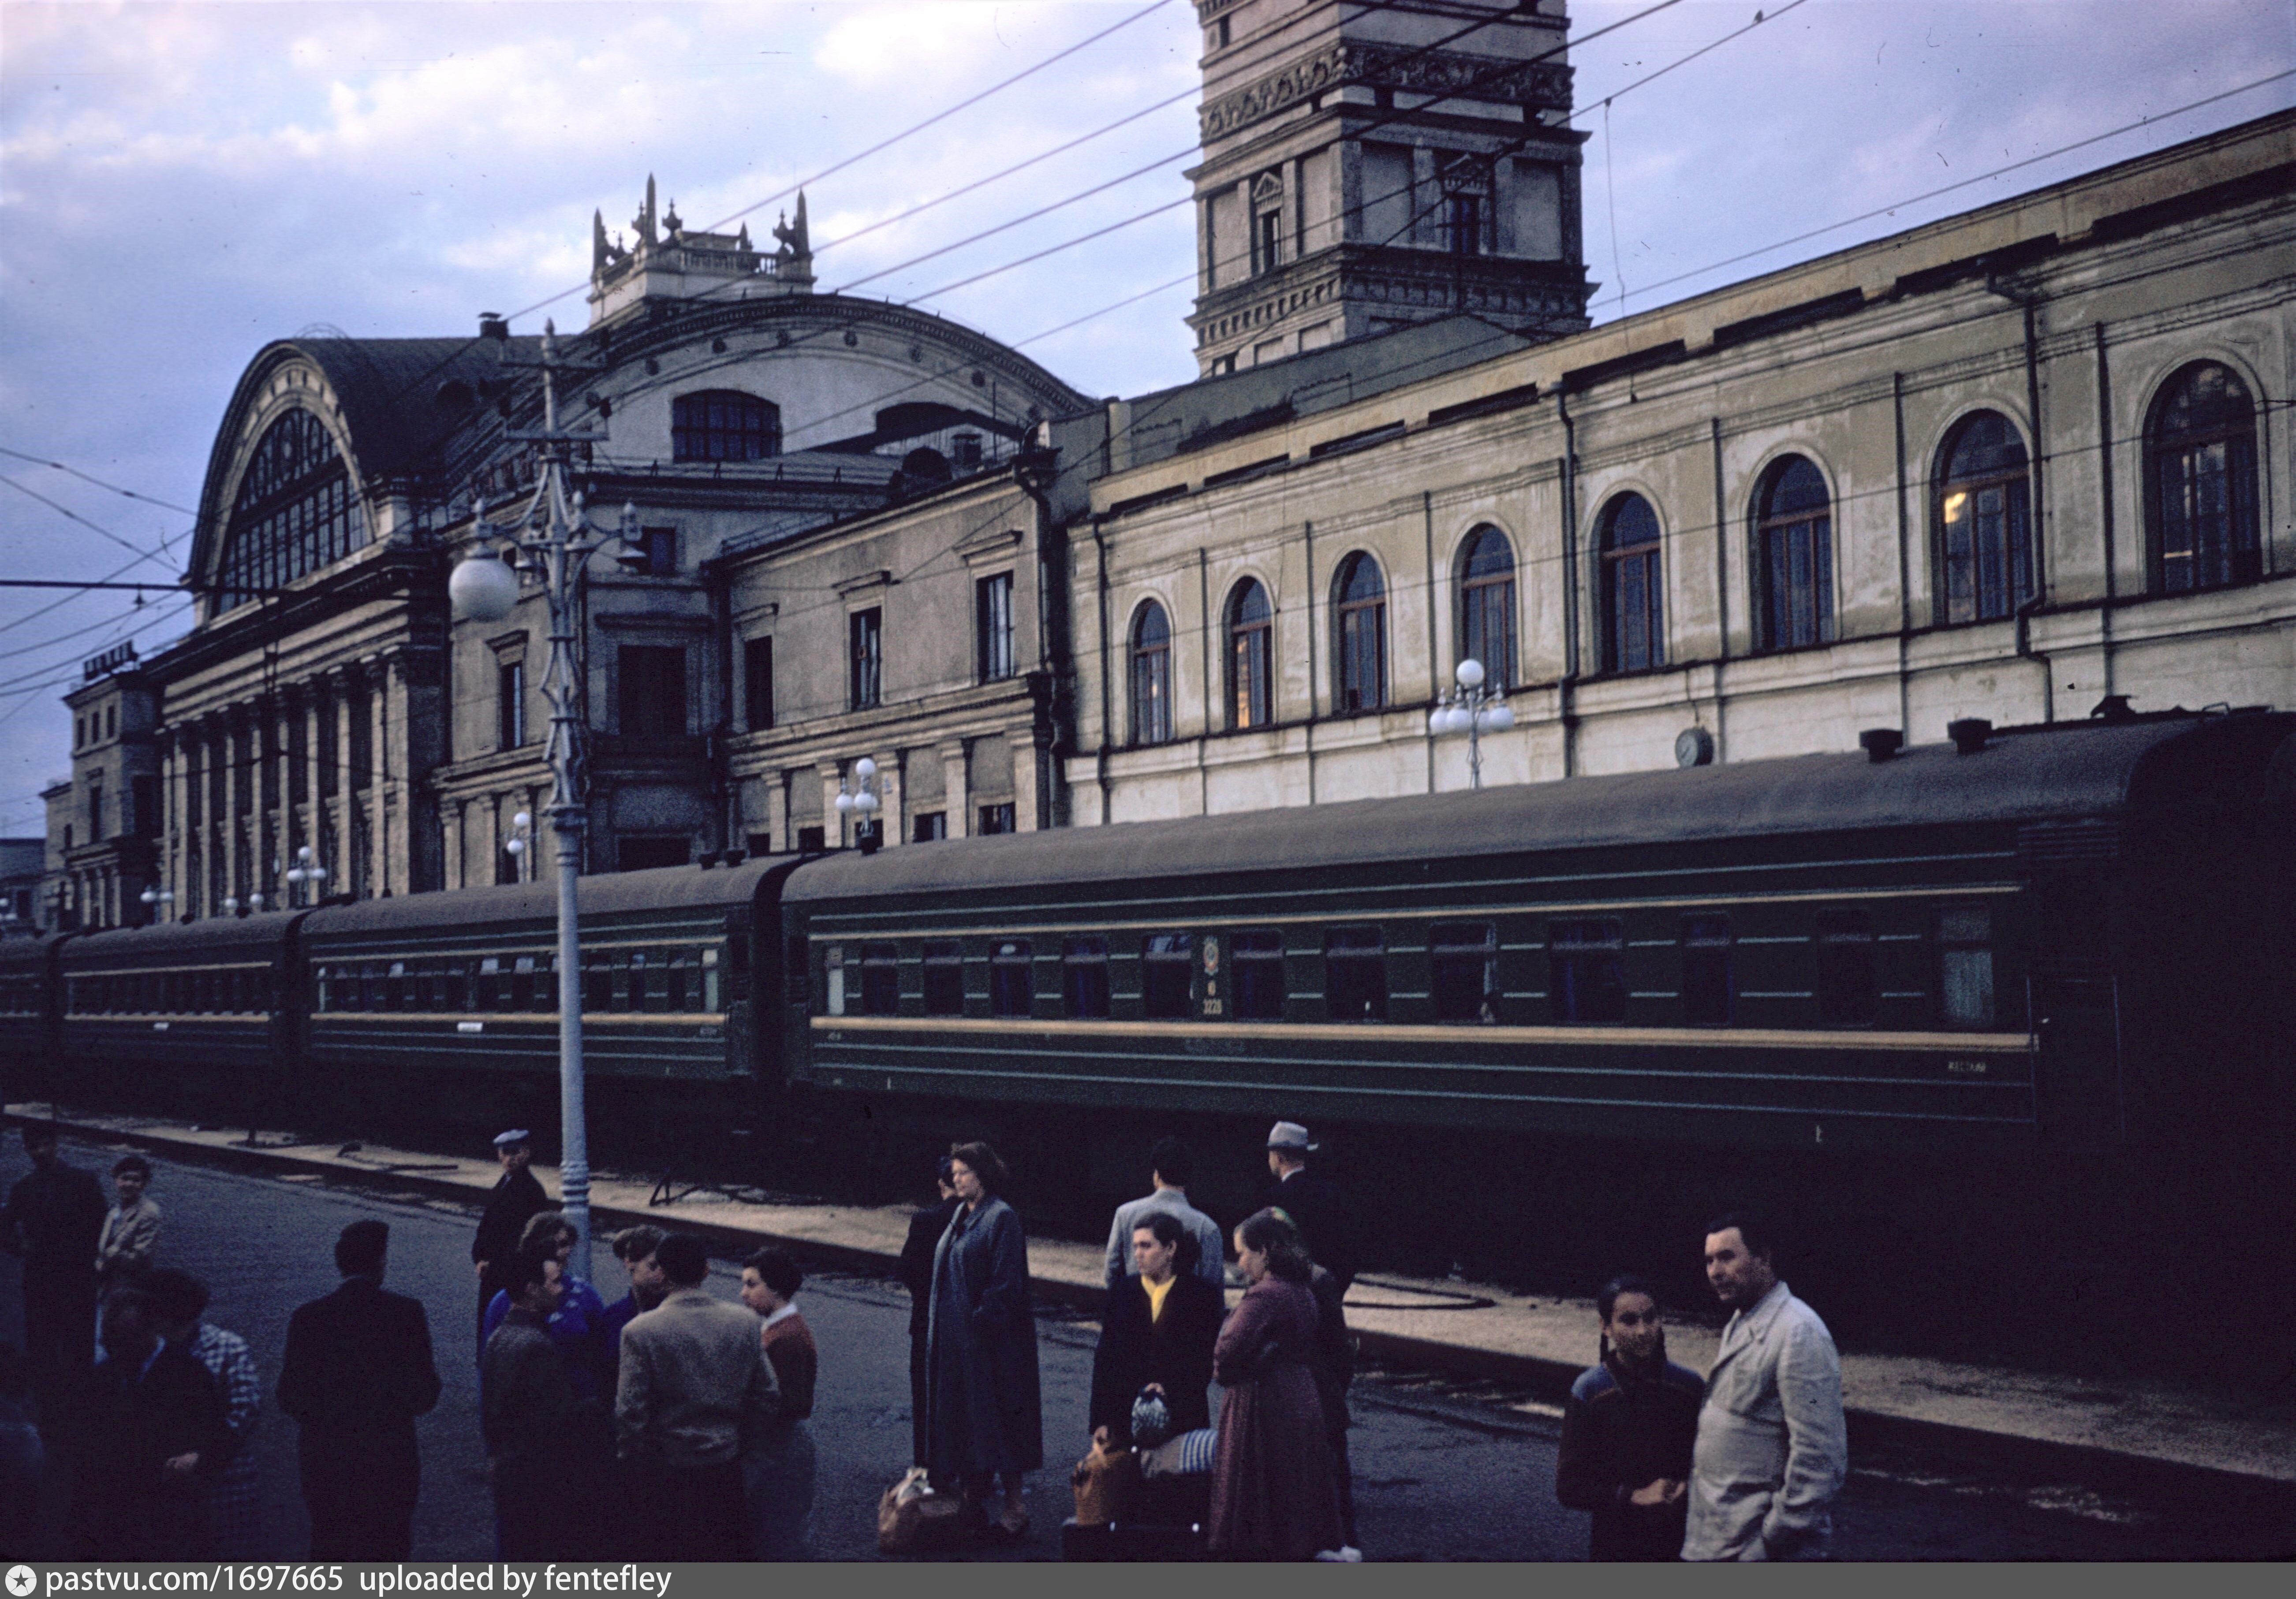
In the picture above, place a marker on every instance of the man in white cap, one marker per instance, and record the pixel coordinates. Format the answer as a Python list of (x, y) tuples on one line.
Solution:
[(1315, 1204), (516, 1198)]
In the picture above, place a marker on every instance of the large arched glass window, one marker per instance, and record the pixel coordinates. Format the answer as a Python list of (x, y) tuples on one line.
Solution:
[(1362, 635), (1793, 550), (1151, 676), (1487, 605), (1250, 642), (296, 512), (724, 424), (1634, 615), (1984, 522), (2200, 470)]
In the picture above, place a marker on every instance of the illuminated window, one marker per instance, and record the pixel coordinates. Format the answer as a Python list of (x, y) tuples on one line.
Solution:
[(1984, 522), (1251, 631), (1151, 676)]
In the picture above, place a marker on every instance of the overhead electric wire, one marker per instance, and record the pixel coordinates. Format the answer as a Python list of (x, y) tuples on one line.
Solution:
[(66, 511), (99, 482)]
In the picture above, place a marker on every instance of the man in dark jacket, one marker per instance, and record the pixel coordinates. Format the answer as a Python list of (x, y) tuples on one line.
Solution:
[(1627, 1430), (1335, 1372), (52, 1220), (545, 1441), (1159, 1328), (356, 1372), (1316, 1207), (925, 1228), (157, 1433), (517, 1197)]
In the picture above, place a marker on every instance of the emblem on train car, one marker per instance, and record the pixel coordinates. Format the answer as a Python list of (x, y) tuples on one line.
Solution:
[(1211, 957)]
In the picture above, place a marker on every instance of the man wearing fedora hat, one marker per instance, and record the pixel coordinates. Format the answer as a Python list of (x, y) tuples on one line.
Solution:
[(1315, 1204), (516, 1199)]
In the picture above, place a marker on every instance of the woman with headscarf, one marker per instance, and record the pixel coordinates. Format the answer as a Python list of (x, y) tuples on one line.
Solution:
[(1274, 1495), (1628, 1431), (987, 1422)]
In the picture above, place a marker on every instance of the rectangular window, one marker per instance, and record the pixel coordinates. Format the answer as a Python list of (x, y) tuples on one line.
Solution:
[(677, 988), (711, 998), (833, 962), (457, 985), (1966, 957), (510, 705), (1466, 224), (992, 611), (1084, 978), (1011, 981), (881, 979), (1585, 968), (758, 683), (930, 824), (1354, 974), (660, 547), (488, 987), (522, 984), (1710, 990), (1258, 981), (1168, 962), (1849, 990), (812, 841), (1464, 964), (944, 979), (1267, 239), (866, 635), (997, 818), (652, 691)]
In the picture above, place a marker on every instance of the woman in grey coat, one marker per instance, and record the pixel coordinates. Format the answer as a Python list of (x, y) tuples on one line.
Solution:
[(986, 1419)]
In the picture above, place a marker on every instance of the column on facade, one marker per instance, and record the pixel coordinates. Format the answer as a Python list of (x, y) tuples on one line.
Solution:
[(377, 786), (832, 821), (396, 813), (343, 869), (172, 836), (309, 699), (957, 788), (232, 857), (1031, 802), (892, 797)]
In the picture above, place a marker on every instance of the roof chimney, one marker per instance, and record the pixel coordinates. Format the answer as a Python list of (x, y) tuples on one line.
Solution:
[(1880, 744), (493, 325), (1969, 733)]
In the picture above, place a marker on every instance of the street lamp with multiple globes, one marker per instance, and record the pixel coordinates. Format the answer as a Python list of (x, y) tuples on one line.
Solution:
[(554, 541), (305, 871), (1474, 709), (862, 803), (158, 897)]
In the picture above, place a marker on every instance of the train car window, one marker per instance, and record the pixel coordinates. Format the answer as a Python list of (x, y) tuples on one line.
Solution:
[(709, 995), (1849, 990), (1168, 969), (833, 964), (598, 982), (394, 987), (1463, 967), (676, 981), (456, 986), (1709, 987), (522, 983), (1084, 978), (944, 979), (1586, 971), (649, 983), (1012, 979), (489, 985), (1354, 974), (881, 979), (1259, 959), (261, 985), (1966, 962)]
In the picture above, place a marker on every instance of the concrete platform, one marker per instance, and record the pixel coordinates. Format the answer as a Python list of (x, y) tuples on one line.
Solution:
[(2134, 1429)]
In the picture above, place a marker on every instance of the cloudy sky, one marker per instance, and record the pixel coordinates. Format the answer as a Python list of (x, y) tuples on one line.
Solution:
[(181, 183)]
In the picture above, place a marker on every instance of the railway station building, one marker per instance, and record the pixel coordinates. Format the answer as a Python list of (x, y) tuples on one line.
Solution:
[(2020, 464)]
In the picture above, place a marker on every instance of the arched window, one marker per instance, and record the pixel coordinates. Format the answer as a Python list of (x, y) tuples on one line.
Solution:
[(1250, 638), (1487, 605), (1984, 522), (1634, 616), (1151, 676), (2200, 471), (295, 511), (1794, 547), (1362, 635), (724, 424)]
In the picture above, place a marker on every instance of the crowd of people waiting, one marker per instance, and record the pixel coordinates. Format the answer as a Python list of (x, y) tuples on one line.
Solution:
[(673, 1424)]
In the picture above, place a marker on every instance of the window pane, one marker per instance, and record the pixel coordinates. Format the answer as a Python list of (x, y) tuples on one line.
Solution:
[(1354, 974), (1463, 961), (1259, 960), (1011, 982), (1168, 969), (1709, 989), (993, 626), (866, 634), (944, 981), (1849, 990), (1586, 972), (1083, 977), (881, 979), (1965, 959)]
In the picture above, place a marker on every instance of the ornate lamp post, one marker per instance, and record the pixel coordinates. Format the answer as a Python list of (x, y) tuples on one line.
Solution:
[(862, 803), (553, 542), (307, 870), (158, 898), (1473, 709)]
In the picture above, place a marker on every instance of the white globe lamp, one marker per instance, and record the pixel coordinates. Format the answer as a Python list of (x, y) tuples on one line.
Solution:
[(482, 589)]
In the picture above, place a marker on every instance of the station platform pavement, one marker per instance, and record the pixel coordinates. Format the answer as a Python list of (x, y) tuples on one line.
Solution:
[(2137, 1432)]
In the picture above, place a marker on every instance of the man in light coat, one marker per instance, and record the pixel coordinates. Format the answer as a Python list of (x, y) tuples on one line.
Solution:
[(1772, 1450), (1170, 1166)]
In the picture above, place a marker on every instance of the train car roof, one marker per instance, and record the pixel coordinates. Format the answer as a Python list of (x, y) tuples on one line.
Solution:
[(2069, 770), (608, 893), (265, 932)]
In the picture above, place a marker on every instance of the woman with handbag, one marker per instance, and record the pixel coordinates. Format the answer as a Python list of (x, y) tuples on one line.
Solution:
[(1274, 1495), (987, 1422)]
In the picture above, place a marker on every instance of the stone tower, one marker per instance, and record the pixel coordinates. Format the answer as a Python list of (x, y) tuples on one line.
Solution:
[(1363, 170)]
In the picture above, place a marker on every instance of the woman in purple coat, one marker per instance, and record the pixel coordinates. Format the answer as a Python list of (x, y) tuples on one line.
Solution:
[(1274, 1494)]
